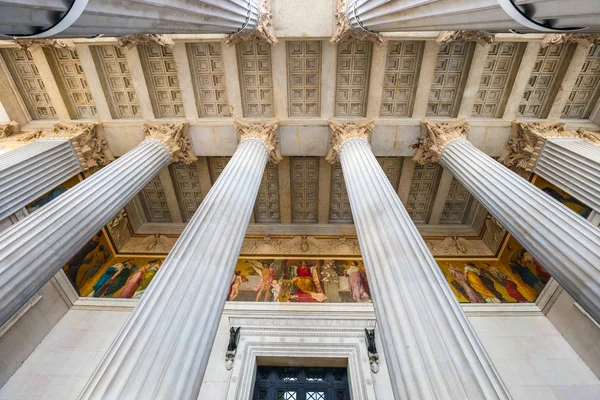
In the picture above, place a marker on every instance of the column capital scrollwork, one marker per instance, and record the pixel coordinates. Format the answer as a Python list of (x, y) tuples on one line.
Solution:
[(586, 39), (27, 44), (480, 37), (264, 29), (435, 136), (527, 139), (344, 31), (341, 132), (139, 39), (266, 132), (87, 141), (175, 138), (8, 130)]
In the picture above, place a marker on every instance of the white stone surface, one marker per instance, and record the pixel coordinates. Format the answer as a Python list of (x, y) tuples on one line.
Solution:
[(298, 19), (521, 348)]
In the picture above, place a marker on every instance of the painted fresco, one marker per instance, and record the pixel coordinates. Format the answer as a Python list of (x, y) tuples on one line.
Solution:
[(53, 194), (563, 197), (515, 278), (303, 281), (94, 272)]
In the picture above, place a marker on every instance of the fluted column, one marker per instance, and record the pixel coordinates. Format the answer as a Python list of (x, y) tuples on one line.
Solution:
[(488, 15), (30, 171), (431, 349), (163, 349), (34, 249), (88, 18), (560, 240), (568, 159)]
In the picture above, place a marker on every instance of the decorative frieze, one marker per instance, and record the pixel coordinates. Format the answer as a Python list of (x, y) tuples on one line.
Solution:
[(140, 39), (304, 78), (175, 138), (400, 80), (451, 71), (353, 67), (435, 136), (342, 132), (527, 139), (256, 80), (266, 132), (344, 30), (480, 37), (262, 32), (29, 83)]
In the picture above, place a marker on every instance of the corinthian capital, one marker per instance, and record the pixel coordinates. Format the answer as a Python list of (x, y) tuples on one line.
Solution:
[(435, 136), (586, 39), (10, 129), (139, 39), (266, 132), (26, 44), (87, 141), (264, 29), (527, 139), (344, 31), (480, 37), (341, 132), (175, 138)]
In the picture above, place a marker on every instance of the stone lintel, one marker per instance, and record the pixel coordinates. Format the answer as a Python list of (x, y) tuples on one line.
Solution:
[(527, 139), (175, 138), (139, 39), (480, 37), (585, 39), (344, 31), (264, 29), (435, 136), (341, 132), (266, 132), (9, 129)]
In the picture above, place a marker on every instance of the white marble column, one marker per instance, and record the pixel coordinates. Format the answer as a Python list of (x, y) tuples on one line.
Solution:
[(431, 349), (560, 240), (34, 249), (163, 349)]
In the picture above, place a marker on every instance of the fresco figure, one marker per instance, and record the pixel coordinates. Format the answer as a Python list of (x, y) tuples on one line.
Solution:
[(147, 278), (459, 288), (584, 210), (94, 263), (331, 282), (54, 193), (489, 283), (461, 278), (118, 280), (132, 283), (234, 288), (510, 286), (472, 273), (74, 264), (267, 274), (304, 283), (316, 275), (541, 272), (104, 278), (276, 289), (518, 264), (356, 283)]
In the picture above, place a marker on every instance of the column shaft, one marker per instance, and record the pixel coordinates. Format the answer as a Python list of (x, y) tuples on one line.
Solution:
[(574, 166), (431, 349), (564, 243), (30, 171), (33, 250), (163, 349)]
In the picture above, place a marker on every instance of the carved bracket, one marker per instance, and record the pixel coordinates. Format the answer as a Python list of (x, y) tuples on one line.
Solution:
[(26, 44), (234, 338), (264, 29), (344, 31), (586, 39), (435, 136), (480, 37), (372, 349), (342, 132), (265, 132), (527, 139), (139, 39), (10, 129), (175, 138)]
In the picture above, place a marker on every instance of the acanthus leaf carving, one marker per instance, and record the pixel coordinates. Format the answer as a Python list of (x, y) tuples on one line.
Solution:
[(175, 138), (8, 130), (341, 132), (266, 132), (344, 30), (26, 44), (139, 39), (264, 29), (480, 37), (527, 139), (586, 39), (435, 136)]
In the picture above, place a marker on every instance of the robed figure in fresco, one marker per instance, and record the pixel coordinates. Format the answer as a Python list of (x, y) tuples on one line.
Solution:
[(305, 284), (132, 284), (357, 283), (461, 278)]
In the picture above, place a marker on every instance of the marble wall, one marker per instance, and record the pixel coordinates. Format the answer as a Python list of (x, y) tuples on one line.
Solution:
[(532, 357)]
